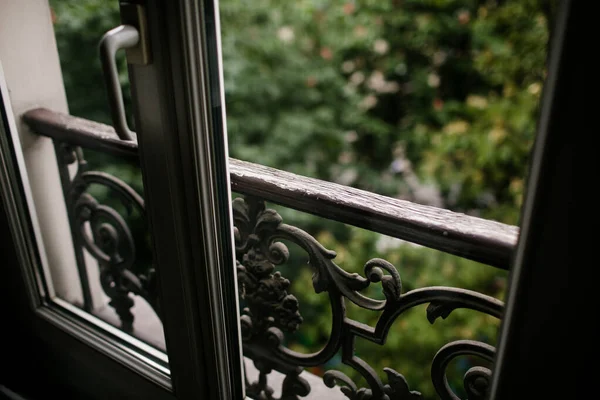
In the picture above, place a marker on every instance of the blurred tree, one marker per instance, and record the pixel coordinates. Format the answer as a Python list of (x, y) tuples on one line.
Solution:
[(361, 92)]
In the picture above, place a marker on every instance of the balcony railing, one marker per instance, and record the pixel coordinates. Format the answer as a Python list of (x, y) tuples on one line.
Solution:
[(270, 310)]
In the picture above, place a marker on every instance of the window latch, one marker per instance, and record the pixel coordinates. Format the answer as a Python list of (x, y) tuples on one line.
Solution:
[(132, 36)]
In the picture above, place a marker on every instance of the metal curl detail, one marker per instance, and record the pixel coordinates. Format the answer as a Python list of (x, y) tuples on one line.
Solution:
[(392, 285), (476, 380), (332, 377), (109, 240), (105, 234), (396, 388)]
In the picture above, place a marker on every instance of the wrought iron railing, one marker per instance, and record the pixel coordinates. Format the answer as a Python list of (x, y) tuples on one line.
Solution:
[(270, 309)]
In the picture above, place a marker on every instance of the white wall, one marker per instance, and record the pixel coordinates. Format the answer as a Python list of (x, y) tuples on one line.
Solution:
[(32, 72)]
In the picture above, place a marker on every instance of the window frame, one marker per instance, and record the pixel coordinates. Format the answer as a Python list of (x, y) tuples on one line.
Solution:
[(191, 228), (181, 93), (41, 330)]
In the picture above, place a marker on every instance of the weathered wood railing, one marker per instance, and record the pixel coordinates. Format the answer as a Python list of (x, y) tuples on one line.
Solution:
[(271, 310)]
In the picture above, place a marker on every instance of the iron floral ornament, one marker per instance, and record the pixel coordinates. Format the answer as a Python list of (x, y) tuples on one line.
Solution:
[(271, 311)]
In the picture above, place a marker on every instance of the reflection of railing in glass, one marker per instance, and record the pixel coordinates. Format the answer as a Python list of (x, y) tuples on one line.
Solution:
[(270, 310), (109, 239)]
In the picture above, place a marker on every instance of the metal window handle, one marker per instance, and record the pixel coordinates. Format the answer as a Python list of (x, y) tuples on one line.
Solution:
[(121, 37)]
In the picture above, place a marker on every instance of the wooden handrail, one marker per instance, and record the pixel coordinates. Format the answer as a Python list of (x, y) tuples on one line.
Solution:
[(467, 236)]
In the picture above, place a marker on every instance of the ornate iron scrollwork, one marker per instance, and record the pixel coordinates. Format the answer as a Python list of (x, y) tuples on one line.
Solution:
[(263, 290), (476, 379), (105, 234), (271, 311)]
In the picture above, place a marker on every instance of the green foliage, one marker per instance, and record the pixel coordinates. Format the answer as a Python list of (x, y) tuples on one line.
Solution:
[(334, 90), (389, 96), (79, 26)]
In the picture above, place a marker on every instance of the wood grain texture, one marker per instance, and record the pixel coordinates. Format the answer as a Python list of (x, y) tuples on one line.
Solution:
[(78, 131), (470, 237)]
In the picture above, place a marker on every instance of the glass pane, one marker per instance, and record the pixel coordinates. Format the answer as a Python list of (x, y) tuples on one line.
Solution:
[(433, 102), (416, 118), (103, 190)]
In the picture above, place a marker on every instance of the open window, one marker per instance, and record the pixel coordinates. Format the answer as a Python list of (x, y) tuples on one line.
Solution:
[(88, 267), (148, 264)]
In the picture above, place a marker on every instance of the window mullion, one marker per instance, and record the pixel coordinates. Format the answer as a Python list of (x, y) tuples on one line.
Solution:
[(183, 155)]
